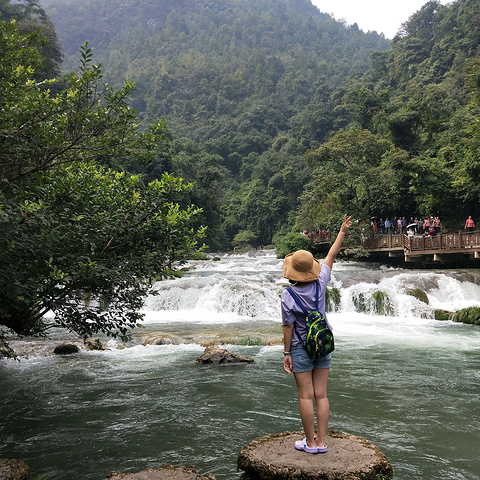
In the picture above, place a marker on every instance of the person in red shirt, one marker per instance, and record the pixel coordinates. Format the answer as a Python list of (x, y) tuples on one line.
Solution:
[(469, 224)]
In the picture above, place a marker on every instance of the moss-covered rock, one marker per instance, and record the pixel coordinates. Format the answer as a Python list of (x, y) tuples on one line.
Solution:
[(378, 302), (382, 304), (442, 315), (332, 299), (418, 294)]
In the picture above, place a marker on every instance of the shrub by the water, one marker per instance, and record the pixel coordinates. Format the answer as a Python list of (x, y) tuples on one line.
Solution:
[(470, 315), (292, 242)]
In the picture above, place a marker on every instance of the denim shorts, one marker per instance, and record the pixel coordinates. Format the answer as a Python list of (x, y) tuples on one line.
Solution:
[(302, 362)]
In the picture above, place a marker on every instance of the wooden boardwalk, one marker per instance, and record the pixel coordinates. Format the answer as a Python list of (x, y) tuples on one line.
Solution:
[(459, 247)]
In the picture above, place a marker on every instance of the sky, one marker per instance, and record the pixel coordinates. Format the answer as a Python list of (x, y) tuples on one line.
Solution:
[(384, 16)]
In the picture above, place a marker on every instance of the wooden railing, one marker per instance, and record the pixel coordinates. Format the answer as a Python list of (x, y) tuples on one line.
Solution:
[(424, 243), (320, 237)]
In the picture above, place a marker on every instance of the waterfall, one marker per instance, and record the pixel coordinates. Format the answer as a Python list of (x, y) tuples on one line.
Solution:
[(239, 288)]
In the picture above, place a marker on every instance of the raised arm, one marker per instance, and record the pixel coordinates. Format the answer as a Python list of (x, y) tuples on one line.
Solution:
[(332, 253)]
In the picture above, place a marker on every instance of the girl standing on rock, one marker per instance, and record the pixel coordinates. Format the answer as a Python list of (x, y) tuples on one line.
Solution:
[(311, 375)]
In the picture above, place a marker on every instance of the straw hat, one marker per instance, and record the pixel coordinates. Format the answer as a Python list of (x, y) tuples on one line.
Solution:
[(300, 266)]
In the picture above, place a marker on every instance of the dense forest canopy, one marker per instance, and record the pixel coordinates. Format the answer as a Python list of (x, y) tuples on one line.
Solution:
[(284, 117)]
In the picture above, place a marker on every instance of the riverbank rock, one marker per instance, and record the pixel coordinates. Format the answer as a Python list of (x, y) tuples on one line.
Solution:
[(165, 472), (219, 356), (6, 351), (274, 457), (94, 344), (11, 469)]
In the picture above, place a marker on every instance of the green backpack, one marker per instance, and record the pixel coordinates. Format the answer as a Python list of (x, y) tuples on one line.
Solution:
[(319, 340)]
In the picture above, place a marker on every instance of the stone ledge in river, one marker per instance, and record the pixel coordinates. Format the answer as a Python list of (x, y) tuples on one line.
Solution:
[(218, 356), (274, 457), (66, 349), (165, 472), (12, 469)]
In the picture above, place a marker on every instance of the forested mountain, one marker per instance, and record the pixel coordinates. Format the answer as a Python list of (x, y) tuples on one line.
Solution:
[(247, 88), (248, 84)]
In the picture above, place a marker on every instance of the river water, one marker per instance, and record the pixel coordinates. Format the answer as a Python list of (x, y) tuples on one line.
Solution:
[(406, 382)]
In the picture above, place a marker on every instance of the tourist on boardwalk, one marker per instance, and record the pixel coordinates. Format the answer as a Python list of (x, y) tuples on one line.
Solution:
[(381, 226), (311, 376), (420, 226), (388, 226), (399, 225), (469, 224)]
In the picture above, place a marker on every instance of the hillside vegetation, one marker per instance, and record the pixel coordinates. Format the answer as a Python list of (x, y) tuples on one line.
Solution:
[(285, 118)]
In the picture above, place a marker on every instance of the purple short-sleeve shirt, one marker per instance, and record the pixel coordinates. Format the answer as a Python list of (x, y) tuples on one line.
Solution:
[(291, 312)]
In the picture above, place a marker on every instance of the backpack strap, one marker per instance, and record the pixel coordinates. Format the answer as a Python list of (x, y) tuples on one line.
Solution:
[(302, 306), (300, 303)]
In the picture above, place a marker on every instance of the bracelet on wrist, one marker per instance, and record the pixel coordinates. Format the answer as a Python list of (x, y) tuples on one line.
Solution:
[(286, 353)]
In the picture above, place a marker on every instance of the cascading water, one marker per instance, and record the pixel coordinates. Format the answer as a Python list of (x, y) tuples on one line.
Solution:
[(400, 378)]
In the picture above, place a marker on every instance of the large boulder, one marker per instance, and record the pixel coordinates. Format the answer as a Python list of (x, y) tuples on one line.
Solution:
[(274, 457), (66, 349), (216, 355), (11, 469), (165, 472)]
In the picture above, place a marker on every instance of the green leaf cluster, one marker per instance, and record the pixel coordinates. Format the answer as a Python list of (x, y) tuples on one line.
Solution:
[(81, 244)]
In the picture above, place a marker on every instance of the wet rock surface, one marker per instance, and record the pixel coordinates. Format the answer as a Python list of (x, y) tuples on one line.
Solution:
[(219, 356), (66, 349), (165, 472), (349, 457), (12, 469)]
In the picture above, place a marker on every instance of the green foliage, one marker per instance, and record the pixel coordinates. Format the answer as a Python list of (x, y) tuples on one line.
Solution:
[(77, 237), (292, 242), (30, 17), (382, 304), (333, 298), (470, 315), (378, 303), (244, 239), (353, 163), (86, 237)]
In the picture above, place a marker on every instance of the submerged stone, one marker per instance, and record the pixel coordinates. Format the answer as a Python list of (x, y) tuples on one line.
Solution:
[(274, 457), (165, 472), (216, 355)]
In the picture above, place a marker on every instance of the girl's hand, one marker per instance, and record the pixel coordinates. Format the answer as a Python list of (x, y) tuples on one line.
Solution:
[(287, 363), (346, 224)]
